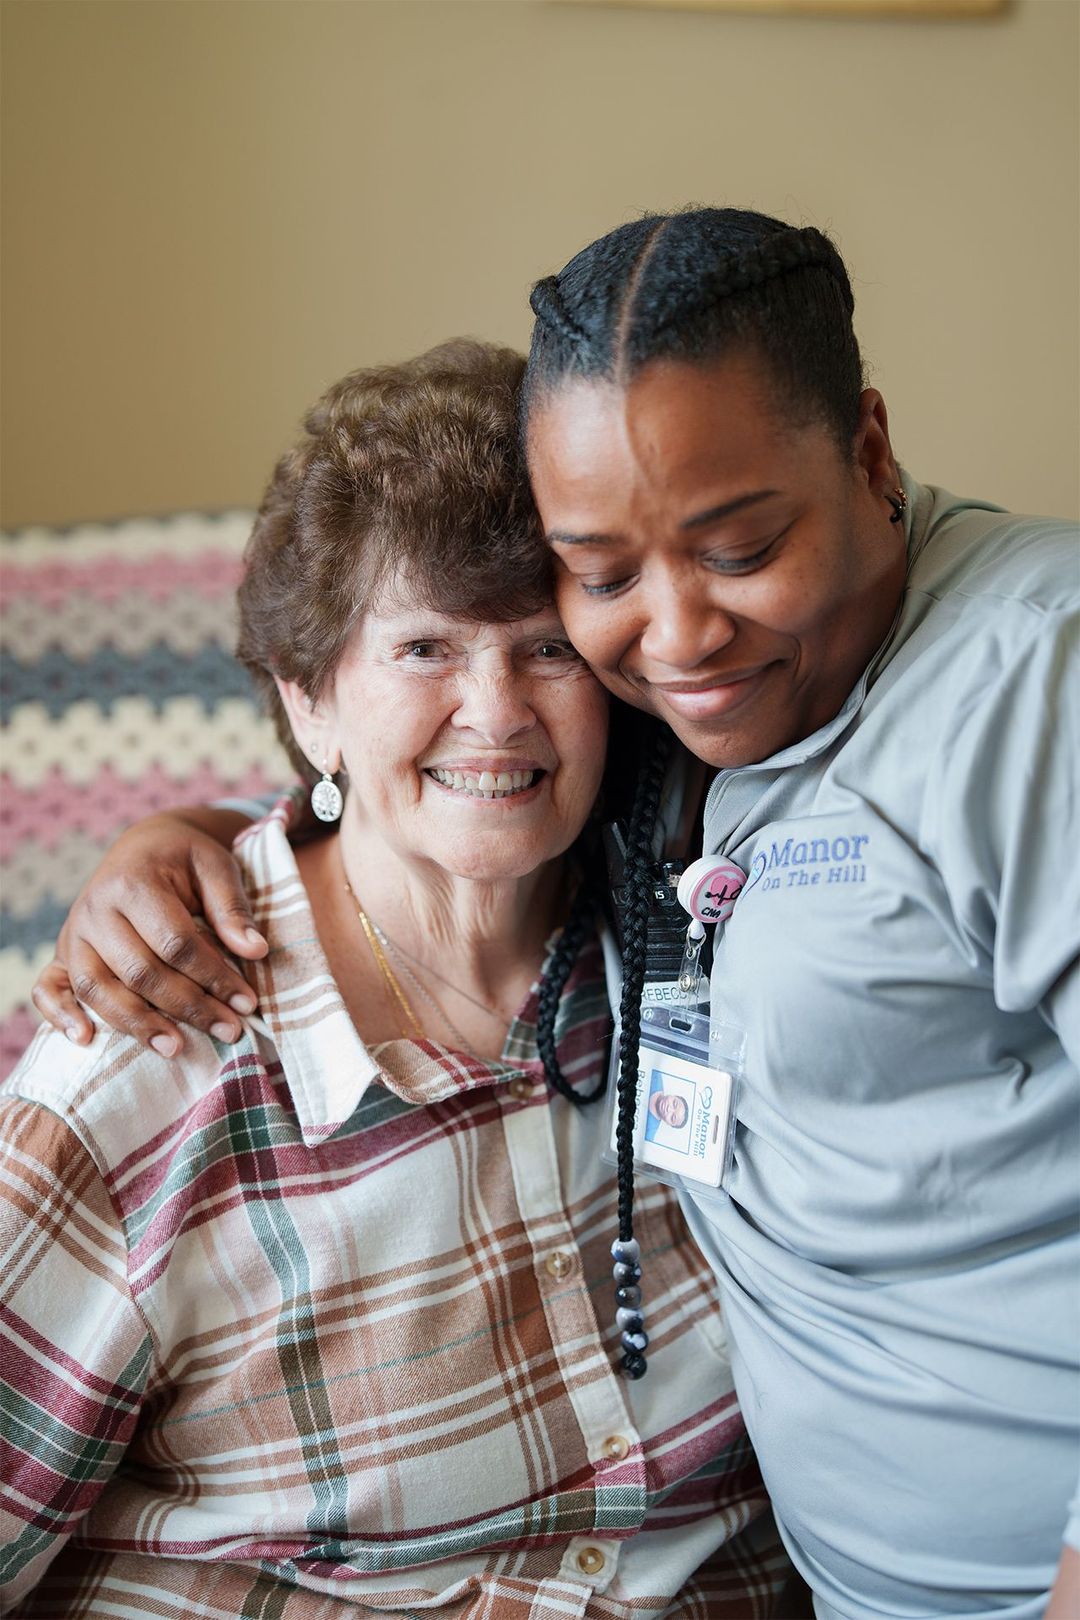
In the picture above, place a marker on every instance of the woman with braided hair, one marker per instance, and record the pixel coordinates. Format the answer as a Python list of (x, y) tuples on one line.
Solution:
[(879, 680), (884, 680)]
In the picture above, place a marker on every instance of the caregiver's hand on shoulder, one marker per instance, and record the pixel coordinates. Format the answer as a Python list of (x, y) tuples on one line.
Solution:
[(135, 946)]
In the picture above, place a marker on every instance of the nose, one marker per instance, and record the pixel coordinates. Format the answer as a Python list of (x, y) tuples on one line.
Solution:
[(685, 626), (495, 706)]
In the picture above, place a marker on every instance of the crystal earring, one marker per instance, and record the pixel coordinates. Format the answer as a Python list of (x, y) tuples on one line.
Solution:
[(326, 800)]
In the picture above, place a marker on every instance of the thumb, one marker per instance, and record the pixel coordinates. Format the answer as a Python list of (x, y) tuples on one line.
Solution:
[(216, 879)]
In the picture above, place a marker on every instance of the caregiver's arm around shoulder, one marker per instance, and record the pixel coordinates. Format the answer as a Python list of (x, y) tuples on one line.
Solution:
[(135, 945)]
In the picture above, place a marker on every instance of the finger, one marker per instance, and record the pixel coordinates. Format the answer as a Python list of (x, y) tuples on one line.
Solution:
[(94, 983), (145, 992), (167, 957), (216, 878), (54, 999)]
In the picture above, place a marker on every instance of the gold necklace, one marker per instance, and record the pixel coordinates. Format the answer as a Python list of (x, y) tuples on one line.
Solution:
[(381, 942), (387, 971), (377, 940), (504, 1020), (458, 1043)]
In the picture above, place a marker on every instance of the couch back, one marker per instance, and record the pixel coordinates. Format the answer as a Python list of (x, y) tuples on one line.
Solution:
[(119, 695)]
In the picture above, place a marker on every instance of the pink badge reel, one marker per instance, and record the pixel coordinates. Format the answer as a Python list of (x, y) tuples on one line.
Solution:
[(709, 888)]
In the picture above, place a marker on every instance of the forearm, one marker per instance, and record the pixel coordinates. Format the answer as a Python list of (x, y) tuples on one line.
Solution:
[(1065, 1597), (222, 821), (216, 820)]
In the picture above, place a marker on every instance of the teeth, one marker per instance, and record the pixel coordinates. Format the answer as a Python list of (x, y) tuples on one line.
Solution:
[(485, 784)]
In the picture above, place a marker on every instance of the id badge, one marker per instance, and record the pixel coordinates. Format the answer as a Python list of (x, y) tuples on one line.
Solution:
[(688, 1081)]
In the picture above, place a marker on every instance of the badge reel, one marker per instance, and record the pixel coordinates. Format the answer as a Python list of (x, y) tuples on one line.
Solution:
[(689, 1069)]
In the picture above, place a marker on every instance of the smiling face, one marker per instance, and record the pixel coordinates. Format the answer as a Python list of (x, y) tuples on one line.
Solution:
[(474, 747), (669, 1108), (717, 565)]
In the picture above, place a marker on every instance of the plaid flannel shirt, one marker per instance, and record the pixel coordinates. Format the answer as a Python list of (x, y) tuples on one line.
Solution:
[(296, 1329)]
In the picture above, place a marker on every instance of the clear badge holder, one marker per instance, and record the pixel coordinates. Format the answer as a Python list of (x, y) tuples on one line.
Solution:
[(689, 1073)]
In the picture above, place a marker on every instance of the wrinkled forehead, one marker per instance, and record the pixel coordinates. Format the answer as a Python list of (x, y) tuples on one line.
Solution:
[(408, 619)]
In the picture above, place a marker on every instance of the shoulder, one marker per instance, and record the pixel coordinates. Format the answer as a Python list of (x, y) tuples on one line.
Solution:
[(992, 603), (974, 552), (262, 849), (118, 1098)]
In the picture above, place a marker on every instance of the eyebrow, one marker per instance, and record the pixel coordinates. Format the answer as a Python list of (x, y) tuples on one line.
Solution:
[(700, 520), (716, 513)]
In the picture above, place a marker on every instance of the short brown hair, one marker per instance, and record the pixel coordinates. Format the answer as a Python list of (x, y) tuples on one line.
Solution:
[(412, 470)]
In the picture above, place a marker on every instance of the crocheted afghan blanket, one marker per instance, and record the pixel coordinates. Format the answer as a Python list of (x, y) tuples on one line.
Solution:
[(119, 695)]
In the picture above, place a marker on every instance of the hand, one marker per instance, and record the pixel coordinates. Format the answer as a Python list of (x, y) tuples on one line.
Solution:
[(134, 947)]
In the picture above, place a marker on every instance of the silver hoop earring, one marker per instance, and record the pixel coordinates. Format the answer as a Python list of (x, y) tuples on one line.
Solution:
[(326, 800)]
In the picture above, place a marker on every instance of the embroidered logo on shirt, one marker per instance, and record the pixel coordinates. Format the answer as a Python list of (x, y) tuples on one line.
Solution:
[(807, 863)]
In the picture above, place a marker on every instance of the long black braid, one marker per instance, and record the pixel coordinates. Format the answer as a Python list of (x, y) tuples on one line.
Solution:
[(630, 742), (652, 744), (579, 926), (634, 918)]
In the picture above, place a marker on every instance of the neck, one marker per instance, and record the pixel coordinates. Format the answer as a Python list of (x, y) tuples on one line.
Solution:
[(483, 934), (486, 937)]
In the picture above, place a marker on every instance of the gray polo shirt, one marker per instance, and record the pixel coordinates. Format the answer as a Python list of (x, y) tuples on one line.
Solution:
[(900, 1253)]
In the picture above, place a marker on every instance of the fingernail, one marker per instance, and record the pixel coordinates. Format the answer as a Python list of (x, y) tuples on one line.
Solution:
[(242, 1004), (167, 1045), (224, 1032), (73, 1034), (253, 936)]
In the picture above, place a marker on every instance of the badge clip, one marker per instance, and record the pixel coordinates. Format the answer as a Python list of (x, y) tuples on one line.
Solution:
[(689, 980)]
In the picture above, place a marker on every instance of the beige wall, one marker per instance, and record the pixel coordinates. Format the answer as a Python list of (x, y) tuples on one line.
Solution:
[(213, 207)]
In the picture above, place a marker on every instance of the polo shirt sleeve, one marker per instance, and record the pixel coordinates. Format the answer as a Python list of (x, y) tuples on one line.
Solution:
[(74, 1351), (1003, 818)]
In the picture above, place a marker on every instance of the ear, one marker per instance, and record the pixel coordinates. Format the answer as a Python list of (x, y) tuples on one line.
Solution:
[(872, 448), (312, 726)]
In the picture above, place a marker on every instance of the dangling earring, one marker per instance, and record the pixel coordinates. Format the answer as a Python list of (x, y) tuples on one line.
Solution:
[(898, 501), (326, 800)]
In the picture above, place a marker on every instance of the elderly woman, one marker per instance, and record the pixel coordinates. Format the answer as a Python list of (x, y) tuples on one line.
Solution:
[(320, 1322)]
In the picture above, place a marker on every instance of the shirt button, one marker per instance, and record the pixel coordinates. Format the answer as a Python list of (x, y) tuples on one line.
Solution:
[(521, 1089), (559, 1264), (590, 1560), (616, 1446)]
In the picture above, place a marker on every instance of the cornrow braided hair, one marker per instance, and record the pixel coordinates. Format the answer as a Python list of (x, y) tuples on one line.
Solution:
[(625, 1251), (547, 305), (696, 286), (579, 925), (792, 249)]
